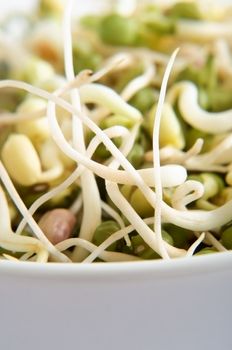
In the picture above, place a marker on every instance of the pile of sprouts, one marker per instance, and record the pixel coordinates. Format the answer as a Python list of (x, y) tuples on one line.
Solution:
[(126, 160)]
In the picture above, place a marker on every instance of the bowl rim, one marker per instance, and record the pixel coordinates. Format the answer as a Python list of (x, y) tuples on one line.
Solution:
[(161, 269)]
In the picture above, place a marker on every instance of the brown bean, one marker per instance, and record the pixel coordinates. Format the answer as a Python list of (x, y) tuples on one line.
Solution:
[(57, 224)]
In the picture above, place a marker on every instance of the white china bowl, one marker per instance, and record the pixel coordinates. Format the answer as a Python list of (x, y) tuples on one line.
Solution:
[(185, 304)]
